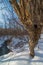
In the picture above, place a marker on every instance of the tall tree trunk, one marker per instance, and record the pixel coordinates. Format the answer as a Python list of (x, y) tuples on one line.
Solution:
[(34, 37), (30, 13), (36, 8)]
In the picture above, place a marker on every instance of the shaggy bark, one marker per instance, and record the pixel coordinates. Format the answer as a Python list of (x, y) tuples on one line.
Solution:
[(30, 13)]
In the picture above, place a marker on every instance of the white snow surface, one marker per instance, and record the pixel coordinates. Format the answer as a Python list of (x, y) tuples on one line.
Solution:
[(21, 56)]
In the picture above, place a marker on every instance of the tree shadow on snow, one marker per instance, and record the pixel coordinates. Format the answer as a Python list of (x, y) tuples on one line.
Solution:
[(19, 58)]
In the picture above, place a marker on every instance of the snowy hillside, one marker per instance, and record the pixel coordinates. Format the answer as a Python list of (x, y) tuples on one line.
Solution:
[(20, 56), (8, 18), (6, 13)]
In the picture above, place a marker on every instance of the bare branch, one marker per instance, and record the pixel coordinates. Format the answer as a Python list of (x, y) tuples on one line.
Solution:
[(13, 32), (16, 7)]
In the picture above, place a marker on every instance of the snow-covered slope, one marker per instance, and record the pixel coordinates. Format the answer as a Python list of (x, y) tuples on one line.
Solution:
[(19, 46), (6, 13), (8, 19), (21, 56)]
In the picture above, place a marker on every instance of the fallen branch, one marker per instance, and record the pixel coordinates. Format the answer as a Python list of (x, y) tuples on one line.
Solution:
[(13, 32)]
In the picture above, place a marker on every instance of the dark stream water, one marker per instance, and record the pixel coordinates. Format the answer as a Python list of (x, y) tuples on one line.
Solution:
[(4, 50)]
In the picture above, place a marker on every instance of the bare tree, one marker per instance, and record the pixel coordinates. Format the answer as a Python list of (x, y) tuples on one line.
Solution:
[(30, 13)]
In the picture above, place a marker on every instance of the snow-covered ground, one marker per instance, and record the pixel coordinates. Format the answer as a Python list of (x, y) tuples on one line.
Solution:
[(6, 13), (21, 56)]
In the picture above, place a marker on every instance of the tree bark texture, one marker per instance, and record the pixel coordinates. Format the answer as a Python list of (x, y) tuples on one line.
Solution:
[(30, 13)]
